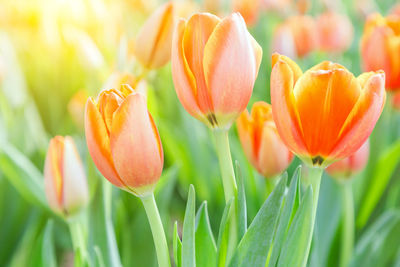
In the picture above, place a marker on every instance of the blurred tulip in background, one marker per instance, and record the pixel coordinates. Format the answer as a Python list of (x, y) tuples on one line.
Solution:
[(380, 47), (261, 142), (64, 177)]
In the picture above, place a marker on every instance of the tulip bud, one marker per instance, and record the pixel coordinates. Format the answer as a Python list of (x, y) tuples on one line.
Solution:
[(325, 114), (153, 42), (123, 140), (335, 32), (303, 33), (64, 177), (249, 9), (261, 142), (348, 167), (214, 66), (380, 47)]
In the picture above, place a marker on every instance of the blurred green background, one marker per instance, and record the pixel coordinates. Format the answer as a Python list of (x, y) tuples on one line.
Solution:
[(50, 50)]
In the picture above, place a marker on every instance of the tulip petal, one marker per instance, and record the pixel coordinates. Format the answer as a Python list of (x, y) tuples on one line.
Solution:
[(324, 95), (283, 107), (246, 133), (197, 33), (98, 143), (153, 42), (230, 65), (135, 144), (297, 72), (75, 188), (184, 81), (363, 117)]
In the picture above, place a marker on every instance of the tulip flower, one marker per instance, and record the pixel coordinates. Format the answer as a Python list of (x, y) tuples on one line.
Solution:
[(303, 33), (214, 66), (123, 140), (335, 32), (348, 167), (64, 177), (396, 101), (325, 114), (261, 142), (380, 47), (153, 42), (125, 146), (249, 9)]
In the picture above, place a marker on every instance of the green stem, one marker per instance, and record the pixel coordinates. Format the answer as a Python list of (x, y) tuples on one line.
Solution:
[(225, 163), (79, 240), (229, 183), (315, 175), (157, 230), (346, 248), (270, 184)]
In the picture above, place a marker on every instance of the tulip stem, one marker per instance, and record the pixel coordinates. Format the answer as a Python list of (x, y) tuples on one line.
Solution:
[(157, 230), (315, 175), (346, 248), (229, 184), (78, 237)]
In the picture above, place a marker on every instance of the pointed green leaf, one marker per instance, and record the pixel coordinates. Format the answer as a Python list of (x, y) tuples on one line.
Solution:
[(188, 234), (223, 234), (254, 247), (23, 175), (99, 257), (383, 171), (285, 218), (48, 251), (177, 246), (241, 204), (206, 249), (294, 252)]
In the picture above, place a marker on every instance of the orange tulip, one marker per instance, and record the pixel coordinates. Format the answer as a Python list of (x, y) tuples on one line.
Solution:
[(249, 9), (153, 42), (214, 66), (123, 140), (380, 47), (335, 32), (351, 165), (303, 33), (261, 142), (396, 101), (64, 177), (325, 114)]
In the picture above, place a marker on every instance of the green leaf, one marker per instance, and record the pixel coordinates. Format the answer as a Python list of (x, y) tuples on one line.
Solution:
[(285, 218), (206, 249), (101, 230), (294, 251), (254, 247), (188, 233), (99, 257), (223, 234), (23, 175), (384, 169), (48, 251), (177, 246), (379, 244), (241, 204)]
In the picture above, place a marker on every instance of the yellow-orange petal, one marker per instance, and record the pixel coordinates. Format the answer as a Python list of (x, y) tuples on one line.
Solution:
[(184, 81), (283, 107), (230, 66), (246, 135), (324, 97), (135, 145), (98, 143), (53, 173), (153, 42), (297, 72), (196, 34), (273, 157), (363, 117)]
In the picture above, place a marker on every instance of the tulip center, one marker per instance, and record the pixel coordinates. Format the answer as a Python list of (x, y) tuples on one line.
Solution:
[(212, 119), (318, 160)]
